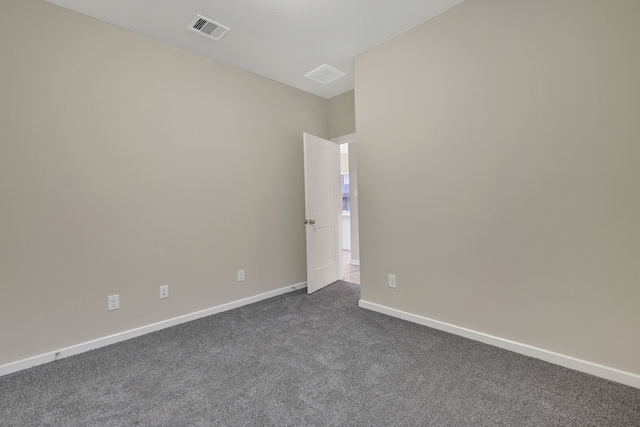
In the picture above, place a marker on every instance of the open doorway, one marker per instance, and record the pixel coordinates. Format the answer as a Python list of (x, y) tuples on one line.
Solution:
[(350, 227)]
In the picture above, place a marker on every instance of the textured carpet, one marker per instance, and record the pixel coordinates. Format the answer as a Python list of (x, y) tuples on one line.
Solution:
[(298, 360)]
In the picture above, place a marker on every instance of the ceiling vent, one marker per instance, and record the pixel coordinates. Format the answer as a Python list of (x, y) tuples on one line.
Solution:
[(325, 74), (208, 28)]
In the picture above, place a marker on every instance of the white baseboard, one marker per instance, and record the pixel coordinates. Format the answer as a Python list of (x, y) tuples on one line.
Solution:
[(602, 371), (354, 262), (122, 336)]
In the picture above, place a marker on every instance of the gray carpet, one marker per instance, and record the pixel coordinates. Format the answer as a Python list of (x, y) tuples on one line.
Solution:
[(319, 360)]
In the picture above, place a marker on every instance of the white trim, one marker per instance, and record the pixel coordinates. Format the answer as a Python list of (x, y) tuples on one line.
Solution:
[(354, 262), (602, 371), (50, 356), (344, 139)]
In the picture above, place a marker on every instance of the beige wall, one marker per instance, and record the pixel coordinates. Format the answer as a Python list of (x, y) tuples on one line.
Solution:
[(342, 120), (126, 164), (498, 157)]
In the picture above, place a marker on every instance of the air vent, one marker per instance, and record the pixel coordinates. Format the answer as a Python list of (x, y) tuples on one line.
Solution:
[(325, 74), (208, 28)]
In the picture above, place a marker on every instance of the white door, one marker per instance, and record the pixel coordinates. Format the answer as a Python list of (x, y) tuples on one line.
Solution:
[(323, 207)]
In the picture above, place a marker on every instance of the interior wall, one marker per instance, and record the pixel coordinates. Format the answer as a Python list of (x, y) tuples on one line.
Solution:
[(342, 110), (126, 164), (498, 170)]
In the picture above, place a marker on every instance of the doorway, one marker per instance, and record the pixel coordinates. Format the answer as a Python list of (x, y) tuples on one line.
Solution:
[(350, 226)]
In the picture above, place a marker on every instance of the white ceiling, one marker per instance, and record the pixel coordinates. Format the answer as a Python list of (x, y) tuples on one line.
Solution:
[(278, 39)]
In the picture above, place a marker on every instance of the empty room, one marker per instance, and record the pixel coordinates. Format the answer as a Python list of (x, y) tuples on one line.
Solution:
[(179, 238)]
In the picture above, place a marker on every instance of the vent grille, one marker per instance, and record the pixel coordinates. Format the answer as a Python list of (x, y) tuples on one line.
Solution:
[(325, 74), (208, 28)]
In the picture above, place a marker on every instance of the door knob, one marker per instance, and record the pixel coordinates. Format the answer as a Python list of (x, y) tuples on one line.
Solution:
[(312, 221), (306, 221)]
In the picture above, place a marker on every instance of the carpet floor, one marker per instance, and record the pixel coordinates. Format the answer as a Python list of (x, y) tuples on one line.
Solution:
[(318, 360)]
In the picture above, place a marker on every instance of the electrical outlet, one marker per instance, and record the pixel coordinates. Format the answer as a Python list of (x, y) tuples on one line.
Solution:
[(392, 280), (113, 302), (164, 291), (240, 275)]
